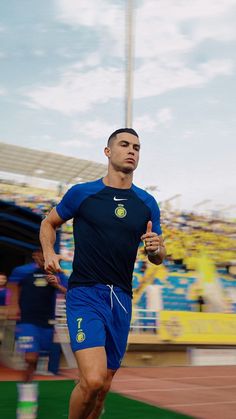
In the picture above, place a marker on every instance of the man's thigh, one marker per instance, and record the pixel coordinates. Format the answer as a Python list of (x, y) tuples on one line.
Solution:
[(92, 364)]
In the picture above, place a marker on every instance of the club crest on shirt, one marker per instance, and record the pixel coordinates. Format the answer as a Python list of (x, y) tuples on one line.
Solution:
[(40, 280), (80, 337), (120, 211)]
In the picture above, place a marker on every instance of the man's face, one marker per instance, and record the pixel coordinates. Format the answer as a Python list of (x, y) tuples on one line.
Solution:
[(123, 152), (3, 280), (38, 258)]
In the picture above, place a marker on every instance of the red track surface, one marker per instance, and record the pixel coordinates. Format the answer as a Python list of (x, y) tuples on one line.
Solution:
[(202, 392)]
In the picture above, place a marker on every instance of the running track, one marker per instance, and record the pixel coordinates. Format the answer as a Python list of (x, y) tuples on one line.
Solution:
[(201, 392)]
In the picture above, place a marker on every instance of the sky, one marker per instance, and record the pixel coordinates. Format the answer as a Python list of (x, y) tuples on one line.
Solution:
[(62, 88)]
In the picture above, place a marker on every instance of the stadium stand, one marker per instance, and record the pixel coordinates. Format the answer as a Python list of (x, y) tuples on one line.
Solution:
[(200, 249), (46, 165), (190, 239)]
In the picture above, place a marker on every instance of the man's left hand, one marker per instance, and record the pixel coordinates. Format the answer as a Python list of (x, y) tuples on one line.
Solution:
[(152, 241)]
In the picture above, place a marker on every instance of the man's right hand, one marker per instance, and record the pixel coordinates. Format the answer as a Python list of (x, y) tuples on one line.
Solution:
[(52, 263), (54, 281)]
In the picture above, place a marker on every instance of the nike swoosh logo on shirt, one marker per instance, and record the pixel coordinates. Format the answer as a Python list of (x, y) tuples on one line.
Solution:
[(120, 199)]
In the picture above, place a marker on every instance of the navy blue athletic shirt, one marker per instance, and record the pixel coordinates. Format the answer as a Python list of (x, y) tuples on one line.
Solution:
[(37, 298), (3, 296), (108, 224)]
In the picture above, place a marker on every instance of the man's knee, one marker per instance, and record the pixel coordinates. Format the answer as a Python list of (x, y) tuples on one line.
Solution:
[(31, 358), (105, 389), (92, 385)]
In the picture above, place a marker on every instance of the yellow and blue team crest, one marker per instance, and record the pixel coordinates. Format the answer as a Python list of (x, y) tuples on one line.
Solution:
[(120, 211), (40, 281), (80, 337)]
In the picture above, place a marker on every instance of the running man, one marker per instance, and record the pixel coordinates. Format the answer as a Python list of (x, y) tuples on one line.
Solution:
[(111, 216), (35, 311)]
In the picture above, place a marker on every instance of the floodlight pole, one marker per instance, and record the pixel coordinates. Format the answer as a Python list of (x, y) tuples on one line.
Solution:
[(129, 44)]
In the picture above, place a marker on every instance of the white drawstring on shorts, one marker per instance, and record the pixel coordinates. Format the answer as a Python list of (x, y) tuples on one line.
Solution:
[(113, 292)]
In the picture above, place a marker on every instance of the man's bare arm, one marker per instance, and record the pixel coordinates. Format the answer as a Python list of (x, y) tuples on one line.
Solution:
[(47, 237)]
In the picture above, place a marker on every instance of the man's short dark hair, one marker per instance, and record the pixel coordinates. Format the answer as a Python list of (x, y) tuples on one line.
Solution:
[(119, 131)]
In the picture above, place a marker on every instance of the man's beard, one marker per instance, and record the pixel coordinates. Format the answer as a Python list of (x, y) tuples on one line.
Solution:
[(125, 170)]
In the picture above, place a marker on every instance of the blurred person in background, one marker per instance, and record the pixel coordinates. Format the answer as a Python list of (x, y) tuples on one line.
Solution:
[(110, 218), (35, 310), (4, 302), (200, 302), (4, 291)]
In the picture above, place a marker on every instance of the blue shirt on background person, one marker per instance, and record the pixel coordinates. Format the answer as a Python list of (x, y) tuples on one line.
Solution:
[(37, 298)]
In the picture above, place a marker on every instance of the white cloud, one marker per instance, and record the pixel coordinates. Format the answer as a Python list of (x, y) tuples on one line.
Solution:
[(188, 134), (213, 101), (149, 123), (222, 30), (160, 27), (86, 133), (100, 16), (94, 129), (91, 60), (3, 91), (65, 53), (47, 137), (215, 68), (155, 37), (79, 91), (162, 46), (145, 123), (91, 13), (39, 52), (152, 79), (41, 27), (172, 10), (164, 115)]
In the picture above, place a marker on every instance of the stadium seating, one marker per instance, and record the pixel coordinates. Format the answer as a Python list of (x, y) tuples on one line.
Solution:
[(187, 237)]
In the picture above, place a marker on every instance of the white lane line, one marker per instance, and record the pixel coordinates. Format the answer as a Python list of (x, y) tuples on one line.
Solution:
[(201, 378), (178, 389), (123, 380), (200, 404)]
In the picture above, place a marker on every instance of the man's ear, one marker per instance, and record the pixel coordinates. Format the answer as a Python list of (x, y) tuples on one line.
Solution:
[(107, 151)]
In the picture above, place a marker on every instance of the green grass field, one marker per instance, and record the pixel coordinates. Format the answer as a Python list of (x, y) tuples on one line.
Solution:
[(54, 397)]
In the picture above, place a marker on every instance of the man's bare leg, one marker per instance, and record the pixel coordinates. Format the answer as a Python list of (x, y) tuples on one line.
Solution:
[(92, 363), (27, 403), (31, 359), (96, 413)]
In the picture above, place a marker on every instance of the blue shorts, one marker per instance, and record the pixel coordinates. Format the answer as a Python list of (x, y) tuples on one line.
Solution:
[(31, 338), (96, 316)]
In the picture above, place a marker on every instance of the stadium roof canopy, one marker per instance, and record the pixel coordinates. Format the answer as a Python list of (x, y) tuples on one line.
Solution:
[(47, 165)]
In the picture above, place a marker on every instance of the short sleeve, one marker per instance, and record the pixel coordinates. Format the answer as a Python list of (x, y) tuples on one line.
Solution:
[(151, 203), (68, 206), (16, 276), (155, 216)]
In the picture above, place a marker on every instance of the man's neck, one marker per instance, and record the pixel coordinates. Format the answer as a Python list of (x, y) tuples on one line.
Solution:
[(118, 180)]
